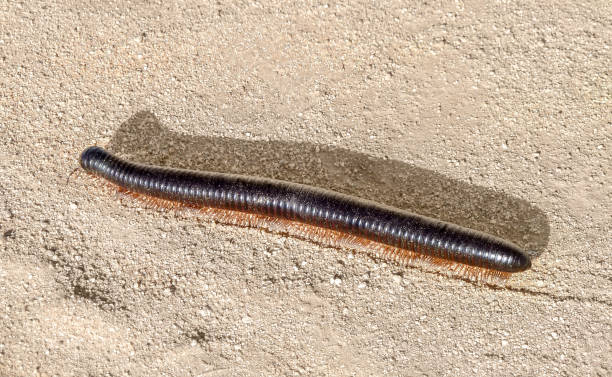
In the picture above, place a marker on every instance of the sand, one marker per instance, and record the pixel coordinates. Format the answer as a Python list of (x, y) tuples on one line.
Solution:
[(492, 115)]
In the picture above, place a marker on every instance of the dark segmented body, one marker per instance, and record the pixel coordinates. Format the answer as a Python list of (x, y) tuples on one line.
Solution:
[(313, 206)]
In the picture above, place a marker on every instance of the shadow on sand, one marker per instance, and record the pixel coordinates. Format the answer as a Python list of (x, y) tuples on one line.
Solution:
[(142, 138)]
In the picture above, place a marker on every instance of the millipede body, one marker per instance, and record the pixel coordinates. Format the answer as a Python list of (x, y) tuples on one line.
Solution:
[(396, 234)]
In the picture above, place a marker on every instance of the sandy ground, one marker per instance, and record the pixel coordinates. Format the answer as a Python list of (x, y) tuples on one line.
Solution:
[(491, 115)]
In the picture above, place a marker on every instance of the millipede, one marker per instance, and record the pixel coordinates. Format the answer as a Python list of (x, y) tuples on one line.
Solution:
[(318, 214)]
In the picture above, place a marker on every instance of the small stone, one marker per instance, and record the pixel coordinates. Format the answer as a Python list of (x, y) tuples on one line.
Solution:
[(554, 335)]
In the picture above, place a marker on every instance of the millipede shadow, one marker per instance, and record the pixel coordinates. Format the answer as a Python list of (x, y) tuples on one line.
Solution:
[(142, 138)]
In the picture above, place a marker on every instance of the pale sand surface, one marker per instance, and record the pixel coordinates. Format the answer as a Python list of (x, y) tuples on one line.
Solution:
[(493, 115)]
